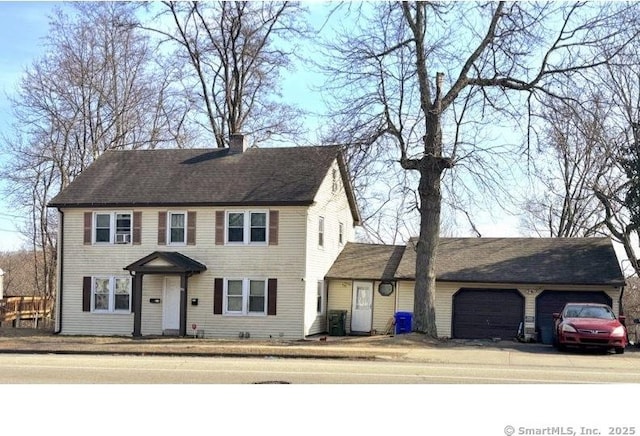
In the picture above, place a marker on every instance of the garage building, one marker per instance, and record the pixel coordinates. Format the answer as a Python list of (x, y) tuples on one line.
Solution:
[(485, 287)]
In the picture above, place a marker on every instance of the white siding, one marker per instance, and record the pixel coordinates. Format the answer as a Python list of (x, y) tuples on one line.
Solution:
[(340, 297), (284, 262), (334, 208), (383, 309), (405, 296)]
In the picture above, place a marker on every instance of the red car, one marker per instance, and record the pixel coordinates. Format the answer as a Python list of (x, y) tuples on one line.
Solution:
[(589, 325)]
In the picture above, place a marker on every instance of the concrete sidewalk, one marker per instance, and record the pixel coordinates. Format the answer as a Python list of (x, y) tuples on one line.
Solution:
[(410, 348)]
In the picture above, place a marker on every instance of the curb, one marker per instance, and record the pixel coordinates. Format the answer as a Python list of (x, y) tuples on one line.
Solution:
[(302, 355)]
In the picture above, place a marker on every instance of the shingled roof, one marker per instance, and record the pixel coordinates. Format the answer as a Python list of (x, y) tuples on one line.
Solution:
[(204, 177), (579, 261), (367, 261)]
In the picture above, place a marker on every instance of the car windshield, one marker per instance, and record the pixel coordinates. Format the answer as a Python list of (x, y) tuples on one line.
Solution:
[(600, 312)]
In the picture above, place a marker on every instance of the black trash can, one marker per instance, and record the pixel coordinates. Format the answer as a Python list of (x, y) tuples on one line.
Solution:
[(337, 321)]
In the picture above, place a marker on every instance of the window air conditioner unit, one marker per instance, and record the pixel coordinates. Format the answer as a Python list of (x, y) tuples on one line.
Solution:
[(123, 238)]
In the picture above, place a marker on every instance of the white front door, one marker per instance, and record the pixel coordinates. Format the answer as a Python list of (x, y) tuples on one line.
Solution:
[(362, 309), (171, 304)]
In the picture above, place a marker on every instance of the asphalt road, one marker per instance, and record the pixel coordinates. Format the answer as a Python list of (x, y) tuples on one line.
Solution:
[(73, 369), (455, 392)]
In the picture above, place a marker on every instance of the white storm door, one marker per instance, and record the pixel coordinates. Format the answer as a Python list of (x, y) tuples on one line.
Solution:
[(171, 304), (362, 309)]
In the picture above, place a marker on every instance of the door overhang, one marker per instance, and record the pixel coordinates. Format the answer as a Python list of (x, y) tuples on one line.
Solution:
[(165, 263)]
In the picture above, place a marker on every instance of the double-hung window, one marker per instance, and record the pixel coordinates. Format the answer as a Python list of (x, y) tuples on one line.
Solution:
[(111, 294), (247, 227), (258, 227), (235, 227), (112, 227), (102, 227), (177, 229), (321, 232), (245, 297), (321, 297)]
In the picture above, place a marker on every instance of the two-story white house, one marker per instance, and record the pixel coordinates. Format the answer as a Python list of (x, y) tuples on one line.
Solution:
[(216, 242)]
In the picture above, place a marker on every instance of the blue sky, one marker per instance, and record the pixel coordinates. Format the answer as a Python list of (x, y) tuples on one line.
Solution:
[(23, 25)]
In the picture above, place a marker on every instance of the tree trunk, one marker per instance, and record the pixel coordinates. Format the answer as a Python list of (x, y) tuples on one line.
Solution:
[(430, 204)]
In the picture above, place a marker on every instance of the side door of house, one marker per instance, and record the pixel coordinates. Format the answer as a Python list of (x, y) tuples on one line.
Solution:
[(362, 307), (171, 305)]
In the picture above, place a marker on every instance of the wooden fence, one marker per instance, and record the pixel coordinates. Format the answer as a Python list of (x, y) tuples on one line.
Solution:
[(16, 309)]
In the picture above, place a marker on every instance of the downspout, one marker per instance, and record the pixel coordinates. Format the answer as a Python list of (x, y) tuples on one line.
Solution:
[(60, 270)]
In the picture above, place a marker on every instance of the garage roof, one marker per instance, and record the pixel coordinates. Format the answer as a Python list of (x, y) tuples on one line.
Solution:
[(367, 261), (579, 261)]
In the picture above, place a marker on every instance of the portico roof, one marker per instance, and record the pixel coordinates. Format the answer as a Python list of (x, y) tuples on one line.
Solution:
[(166, 262)]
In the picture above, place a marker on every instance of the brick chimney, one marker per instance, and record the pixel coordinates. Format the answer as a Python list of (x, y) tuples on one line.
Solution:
[(237, 143)]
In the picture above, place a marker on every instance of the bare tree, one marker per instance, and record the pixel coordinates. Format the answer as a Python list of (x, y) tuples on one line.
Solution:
[(572, 159), (19, 273), (417, 76), (233, 55), (618, 192), (97, 88)]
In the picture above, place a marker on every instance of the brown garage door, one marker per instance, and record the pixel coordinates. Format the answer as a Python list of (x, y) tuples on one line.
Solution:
[(487, 313), (549, 302)]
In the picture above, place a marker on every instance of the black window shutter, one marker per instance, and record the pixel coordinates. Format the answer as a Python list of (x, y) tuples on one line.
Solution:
[(217, 296), (272, 297), (86, 294)]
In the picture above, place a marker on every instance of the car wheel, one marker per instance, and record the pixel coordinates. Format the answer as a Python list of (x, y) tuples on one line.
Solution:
[(561, 347), (619, 350)]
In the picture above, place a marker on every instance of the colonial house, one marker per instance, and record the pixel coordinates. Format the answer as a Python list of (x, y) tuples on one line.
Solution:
[(214, 242), (485, 287)]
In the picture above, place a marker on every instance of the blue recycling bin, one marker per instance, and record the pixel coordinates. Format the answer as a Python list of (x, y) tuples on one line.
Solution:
[(403, 322)]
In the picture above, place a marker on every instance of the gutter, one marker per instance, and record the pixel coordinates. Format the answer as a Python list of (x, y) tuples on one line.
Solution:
[(60, 271)]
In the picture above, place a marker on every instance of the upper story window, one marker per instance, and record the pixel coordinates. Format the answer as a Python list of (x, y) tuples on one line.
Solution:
[(235, 227), (321, 231), (112, 227), (102, 227), (247, 227), (341, 233), (334, 180), (258, 222), (177, 229), (123, 228)]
